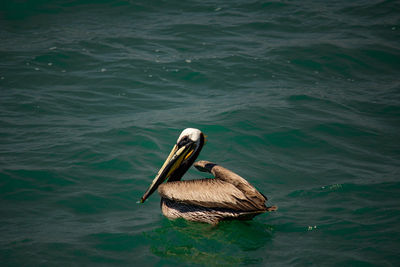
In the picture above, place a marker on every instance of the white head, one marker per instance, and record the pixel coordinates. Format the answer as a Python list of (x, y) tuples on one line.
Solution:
[(191, 133)]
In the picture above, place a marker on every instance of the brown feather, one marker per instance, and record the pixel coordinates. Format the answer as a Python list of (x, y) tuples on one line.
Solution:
[(209, 193), (228, 190)]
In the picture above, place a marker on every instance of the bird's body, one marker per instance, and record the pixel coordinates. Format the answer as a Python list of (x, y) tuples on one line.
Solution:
[(175, 210), (226, 197)]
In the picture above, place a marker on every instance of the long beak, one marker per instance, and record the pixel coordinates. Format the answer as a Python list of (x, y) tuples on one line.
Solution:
[(174, 160)]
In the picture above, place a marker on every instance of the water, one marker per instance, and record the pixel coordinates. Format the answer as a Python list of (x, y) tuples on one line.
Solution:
[(300, 97)]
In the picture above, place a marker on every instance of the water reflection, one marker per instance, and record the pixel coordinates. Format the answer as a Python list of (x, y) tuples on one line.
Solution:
[(225, 244)]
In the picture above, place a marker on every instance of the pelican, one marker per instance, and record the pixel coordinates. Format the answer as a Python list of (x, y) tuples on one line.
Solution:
[(226, 197)]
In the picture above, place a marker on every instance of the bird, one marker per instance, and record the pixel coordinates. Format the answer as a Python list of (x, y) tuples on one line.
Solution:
[(227, 196)]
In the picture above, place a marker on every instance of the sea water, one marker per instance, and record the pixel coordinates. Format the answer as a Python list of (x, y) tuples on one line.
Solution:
[(302, 98)]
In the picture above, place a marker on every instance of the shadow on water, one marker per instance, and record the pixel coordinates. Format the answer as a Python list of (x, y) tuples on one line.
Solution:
[(197, 243)]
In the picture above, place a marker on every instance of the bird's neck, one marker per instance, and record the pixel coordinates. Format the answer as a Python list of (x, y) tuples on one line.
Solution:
[(178, 173)]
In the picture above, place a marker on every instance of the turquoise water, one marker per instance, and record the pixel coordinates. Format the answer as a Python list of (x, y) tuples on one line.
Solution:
[(302, 98)]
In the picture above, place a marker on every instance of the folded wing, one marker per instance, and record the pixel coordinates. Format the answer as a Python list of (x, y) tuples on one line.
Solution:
[(210, 193)]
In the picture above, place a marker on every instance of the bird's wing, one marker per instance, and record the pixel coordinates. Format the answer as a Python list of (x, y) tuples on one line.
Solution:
[(228, 176), (209, 193)]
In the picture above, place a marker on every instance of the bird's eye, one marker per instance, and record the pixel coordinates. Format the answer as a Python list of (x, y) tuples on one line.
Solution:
[(184, 141)]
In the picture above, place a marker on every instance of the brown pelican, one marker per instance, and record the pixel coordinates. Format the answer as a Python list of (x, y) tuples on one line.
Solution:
[(228, 196)]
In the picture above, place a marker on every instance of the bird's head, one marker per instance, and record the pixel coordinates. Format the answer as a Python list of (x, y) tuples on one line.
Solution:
[(182, 156)]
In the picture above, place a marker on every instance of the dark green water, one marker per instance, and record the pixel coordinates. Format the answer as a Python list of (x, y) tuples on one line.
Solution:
[(302, 98)]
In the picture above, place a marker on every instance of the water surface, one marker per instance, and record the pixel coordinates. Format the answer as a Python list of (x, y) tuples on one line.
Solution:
[(302, 98)]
